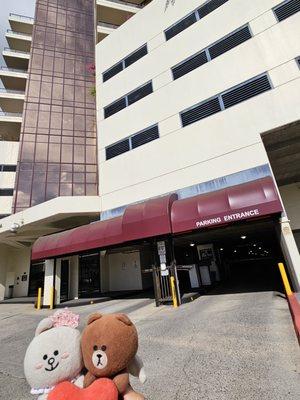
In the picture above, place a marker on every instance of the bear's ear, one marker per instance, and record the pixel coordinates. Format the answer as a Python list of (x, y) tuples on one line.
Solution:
[(123, 318), (94, 317), (43, 326)]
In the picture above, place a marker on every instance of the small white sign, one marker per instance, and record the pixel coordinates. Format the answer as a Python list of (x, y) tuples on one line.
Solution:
[(165, 273), (162, 259)]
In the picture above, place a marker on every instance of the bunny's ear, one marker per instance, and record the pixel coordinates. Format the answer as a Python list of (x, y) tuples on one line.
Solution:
[(93, 317), (43, 326)]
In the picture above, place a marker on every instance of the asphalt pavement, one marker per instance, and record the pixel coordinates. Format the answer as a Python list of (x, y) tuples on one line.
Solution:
[(223, 346)]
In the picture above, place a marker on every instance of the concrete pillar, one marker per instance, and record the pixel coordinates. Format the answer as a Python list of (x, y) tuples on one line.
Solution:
[(290, 251), (52, 278), (74, 277), (2, 274)]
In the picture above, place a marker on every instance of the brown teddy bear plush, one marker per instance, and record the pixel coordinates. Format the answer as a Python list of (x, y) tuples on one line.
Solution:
[(109, 344)]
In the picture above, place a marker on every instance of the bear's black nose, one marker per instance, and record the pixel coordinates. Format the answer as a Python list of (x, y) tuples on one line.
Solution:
[(51, 361)]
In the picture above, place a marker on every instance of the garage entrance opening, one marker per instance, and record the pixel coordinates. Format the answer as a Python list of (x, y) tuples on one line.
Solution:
[(238, 258)]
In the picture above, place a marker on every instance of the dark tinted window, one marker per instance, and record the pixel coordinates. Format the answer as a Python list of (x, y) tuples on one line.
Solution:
[(246, 91), (117, 149), (114, 107), (180, 26), (136, 56), (287, 9), (230, 42), (189, 65), (6, 192), (140, 93), (8, 168), (210, 6), (145, 137), (200, 111), (113, 71)]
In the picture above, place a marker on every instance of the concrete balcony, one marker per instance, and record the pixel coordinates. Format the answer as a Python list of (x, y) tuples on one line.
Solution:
[(12, 101), (18, 40), (104, 29), (115, 12), (21, 23), (13, 79), (16, 59), (10, 126)]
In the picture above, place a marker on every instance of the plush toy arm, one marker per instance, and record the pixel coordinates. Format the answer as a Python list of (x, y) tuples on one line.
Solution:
[(122, 381), (88, 379), (136, 368)]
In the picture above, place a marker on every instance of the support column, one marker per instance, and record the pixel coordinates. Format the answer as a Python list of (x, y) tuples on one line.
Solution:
[(3, 268), (74, 277), (52, 279), (290, 251)]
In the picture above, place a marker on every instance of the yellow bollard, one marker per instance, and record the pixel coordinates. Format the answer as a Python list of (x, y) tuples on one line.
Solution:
[(285, 280), (174, 295), (51, 298), (39, 299)]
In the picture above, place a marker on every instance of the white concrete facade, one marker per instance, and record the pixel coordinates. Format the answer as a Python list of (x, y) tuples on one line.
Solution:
[(219, 145)]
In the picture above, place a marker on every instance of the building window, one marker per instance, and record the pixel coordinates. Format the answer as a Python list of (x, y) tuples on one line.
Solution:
[(129, 99), (231, 97), (132, 142), (8, 168), (286, 9), (223, 45), (125, 63), (6, 192), (193, 17)]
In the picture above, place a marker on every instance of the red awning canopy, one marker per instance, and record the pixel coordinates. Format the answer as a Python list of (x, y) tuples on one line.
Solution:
[(244, 201), (140, 221)]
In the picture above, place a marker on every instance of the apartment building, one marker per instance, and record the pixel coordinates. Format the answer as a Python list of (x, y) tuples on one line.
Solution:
[(197, 154), (48, 82)]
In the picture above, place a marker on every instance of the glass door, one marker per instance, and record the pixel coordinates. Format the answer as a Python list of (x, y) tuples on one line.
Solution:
[(64, 280), (89, 275)]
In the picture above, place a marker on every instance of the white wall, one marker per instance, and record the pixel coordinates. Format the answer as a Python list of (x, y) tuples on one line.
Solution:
[(14, 263), (8, 156), (222, 144), (125, 271), (291, 199)]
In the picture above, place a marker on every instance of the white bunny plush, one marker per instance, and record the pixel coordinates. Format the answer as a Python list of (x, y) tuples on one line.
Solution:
[(54, 355)]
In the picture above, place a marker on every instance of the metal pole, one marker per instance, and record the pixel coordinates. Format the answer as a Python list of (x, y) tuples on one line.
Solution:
[(285, 280), (39, 299)]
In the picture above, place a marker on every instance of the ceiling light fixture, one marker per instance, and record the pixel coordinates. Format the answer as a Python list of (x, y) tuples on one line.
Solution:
[(244, 237)]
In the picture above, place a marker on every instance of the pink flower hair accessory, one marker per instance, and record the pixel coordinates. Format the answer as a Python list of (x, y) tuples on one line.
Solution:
[(65, 318)]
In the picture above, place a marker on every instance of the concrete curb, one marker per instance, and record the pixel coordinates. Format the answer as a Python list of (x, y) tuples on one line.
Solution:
[(294, 305)]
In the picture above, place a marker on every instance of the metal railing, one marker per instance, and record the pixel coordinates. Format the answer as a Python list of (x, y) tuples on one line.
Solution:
[(3, 90), (21, 17), (16, 51), (18, 33), (10, 114), (126, 3), (20, 71), (107, 25)]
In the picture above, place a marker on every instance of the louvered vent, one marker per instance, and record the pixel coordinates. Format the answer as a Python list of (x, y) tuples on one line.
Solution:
[(246, 91), (140, 93), (230, 42), (210, 6), (114, 107), (117, 149), (145, 137), (6, 192), (112, 71), (136, 56), (286, 9), (180, 26), (189, 65), (200, 111)]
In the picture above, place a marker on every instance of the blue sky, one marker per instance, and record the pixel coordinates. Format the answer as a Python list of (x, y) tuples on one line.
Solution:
[(24, 7)]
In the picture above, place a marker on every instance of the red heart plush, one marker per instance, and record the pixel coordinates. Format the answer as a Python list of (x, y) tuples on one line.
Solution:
[(101, 389)]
